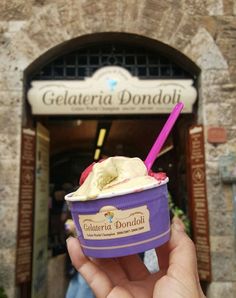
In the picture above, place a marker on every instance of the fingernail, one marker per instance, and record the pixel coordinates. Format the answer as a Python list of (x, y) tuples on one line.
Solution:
[(177, 224), (69, 238), (177, 227)]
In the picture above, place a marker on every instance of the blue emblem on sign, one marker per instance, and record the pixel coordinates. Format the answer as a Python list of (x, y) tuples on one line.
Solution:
[(111, 84)]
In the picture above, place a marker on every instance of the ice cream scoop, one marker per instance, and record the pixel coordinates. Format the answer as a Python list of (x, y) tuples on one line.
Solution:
[(115, 176), (120, 208)]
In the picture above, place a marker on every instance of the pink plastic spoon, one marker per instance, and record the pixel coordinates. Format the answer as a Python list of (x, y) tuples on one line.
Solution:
[(152, 155)]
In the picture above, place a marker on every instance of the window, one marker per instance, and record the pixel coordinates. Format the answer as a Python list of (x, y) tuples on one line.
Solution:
[(84, 62)]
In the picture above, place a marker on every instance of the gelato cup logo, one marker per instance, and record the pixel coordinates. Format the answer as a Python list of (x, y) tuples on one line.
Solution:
[(110, 223), (109, 216)]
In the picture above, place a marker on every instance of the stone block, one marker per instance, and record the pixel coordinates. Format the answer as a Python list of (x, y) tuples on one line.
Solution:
[(228, 7), (146, 28), (10, 120), (12, 99), (194, 7), (10, 170), (164, 15), (232, 146), (16, 26), (226, 27), (111, 13), (221, 223), (228, 197), (7, 271), (3, 30), (11, 291), (222, 266), (215, 7), (9, 148), (184, 34), (160, 18), (107, 16), (221, 289), (232, 71), (219, 194), (70, 17), (27, 52), (212, 168), (211, 112), (92, 15), (8, 215), (219, 201), (210, 24), (56, 278), (4, 25), (15, 9), (212, 77), (215, 201), (8, 236), (227, 46), (215, 183), (9, 197), (215, 94), (213, 153), (234, 287), (167, 29), (222, 244), (225, 114), (10, 78), (203, 50), (37, 30)]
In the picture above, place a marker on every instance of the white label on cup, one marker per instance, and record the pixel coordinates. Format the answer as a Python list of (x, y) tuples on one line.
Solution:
[(110, 223)]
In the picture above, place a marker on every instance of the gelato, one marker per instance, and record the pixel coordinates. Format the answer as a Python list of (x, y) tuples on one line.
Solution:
[(115, 176), (120, 208)]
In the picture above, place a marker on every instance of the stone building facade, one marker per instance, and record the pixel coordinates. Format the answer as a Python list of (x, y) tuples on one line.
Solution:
[(203, 30)]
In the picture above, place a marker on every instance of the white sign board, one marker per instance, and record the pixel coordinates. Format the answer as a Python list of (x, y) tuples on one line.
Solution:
[(40, 239), (111, 90)]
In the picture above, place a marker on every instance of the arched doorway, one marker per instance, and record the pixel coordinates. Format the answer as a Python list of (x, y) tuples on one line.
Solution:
[(73, 136)]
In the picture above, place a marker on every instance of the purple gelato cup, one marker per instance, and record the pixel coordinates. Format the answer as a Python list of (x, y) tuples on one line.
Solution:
[(122, 225)]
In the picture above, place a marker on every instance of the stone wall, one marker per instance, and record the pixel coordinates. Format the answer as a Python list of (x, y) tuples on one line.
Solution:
[(204, 30), (57, 282)]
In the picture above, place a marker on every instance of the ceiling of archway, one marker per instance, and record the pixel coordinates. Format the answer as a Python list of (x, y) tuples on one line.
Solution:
[(128, 137), (72, 143)]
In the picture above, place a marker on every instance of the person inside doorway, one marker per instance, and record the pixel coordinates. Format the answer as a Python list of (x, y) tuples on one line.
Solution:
[(78, 287)]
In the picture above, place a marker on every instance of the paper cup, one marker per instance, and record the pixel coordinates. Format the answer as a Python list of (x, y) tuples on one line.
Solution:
[(122, 225)]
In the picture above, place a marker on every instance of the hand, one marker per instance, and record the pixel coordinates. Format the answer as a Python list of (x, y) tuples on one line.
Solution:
[(128, 277)]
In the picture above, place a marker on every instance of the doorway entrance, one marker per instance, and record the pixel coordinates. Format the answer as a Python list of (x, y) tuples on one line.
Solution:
[(73, 138)]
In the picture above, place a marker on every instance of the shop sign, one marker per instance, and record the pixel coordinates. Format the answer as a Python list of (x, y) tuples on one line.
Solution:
[(40, 239), (111, 90), (24, 239), (216, 135), (199, 207)]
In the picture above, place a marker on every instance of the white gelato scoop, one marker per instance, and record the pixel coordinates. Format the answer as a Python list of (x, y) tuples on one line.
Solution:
[(115, 176)]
